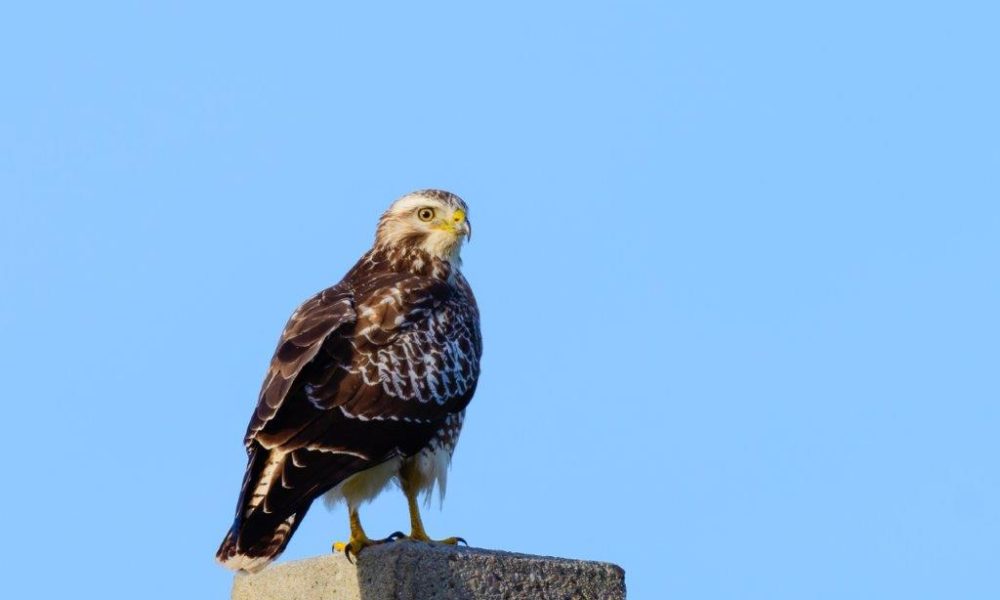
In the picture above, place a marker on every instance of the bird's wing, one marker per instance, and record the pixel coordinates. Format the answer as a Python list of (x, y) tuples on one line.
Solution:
[(418, 355), (397, 355), (327, 313)]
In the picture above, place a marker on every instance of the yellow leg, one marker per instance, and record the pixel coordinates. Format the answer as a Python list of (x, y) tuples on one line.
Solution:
[(417, 532)]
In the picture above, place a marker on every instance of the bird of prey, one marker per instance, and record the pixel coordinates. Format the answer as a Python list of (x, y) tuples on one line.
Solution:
[(369, 384)]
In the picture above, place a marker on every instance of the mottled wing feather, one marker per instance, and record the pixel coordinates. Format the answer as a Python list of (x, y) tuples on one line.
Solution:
[(397, 349), (309, 326), (415, 357)]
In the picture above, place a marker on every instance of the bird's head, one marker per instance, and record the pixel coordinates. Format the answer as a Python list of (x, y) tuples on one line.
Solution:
[(431, 220)]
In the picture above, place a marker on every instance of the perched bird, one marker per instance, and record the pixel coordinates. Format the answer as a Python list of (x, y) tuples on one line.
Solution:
[(369, 384)]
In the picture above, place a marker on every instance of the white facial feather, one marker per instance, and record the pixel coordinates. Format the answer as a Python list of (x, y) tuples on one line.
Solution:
[(401, 223)]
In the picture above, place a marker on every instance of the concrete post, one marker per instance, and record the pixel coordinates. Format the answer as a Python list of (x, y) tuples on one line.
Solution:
[(416, 571)]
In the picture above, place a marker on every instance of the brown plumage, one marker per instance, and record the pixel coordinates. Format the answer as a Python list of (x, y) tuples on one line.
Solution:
[(371, 377)]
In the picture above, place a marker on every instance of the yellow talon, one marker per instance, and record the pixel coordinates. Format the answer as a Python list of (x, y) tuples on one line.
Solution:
[(359, 541), (452, 541), (355, 546)]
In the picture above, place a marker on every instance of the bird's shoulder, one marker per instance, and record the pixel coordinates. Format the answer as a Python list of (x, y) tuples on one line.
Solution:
[(375, 280)]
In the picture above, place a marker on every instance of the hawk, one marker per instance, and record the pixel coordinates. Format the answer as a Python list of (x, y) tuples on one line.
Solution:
[(369, 384)]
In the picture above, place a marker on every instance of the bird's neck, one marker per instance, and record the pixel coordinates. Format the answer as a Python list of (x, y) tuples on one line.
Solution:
[(414, 261)]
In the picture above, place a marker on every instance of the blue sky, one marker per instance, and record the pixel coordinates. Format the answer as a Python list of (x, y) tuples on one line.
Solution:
[(737, 265)]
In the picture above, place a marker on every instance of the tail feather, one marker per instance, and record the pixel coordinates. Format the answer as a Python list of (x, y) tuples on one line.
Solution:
[(254, 543), (277, 491)]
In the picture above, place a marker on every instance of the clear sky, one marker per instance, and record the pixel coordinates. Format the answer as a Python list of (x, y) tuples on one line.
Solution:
[(737, 265)]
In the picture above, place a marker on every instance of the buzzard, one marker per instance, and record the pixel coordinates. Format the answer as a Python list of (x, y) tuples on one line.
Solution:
[(369, 384)]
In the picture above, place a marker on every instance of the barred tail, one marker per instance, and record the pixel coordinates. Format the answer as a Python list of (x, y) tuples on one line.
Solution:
[(258, 535), (253, 543), (278, 488)]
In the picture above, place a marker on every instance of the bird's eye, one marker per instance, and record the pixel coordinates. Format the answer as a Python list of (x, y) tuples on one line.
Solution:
[(425, 214)]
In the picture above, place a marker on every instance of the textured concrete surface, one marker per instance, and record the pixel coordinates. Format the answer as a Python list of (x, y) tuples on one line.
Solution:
[(329, 577), (416, 571)]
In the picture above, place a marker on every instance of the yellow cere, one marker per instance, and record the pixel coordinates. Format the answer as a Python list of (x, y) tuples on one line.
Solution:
[(456, 217)]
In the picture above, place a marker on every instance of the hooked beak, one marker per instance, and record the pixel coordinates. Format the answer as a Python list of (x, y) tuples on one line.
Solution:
[(461, 225)]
